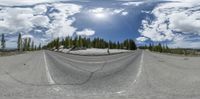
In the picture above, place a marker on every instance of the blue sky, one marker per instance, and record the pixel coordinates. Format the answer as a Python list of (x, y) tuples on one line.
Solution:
[(175, 23)]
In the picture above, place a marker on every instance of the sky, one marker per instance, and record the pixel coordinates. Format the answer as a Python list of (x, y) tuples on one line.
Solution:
[(173, 22)]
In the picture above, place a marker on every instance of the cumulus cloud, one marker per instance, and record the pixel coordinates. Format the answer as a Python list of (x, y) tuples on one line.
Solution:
[(27, 36), (40, 9), (14, 20), (174, 22), (25, 19), (22, 2), (132, 3), (124, 13), (61, 25), (86, 32), (108, 11), (40, 20), (142, 39)]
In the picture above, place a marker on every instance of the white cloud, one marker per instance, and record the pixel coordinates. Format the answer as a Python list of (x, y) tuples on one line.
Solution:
[(40, 20), (97, 10), (24, 19), (148, 12), (116, 11), (185, 43), (132, 3), (22, 2), (86, 32), (124, 13), (67, 8), (14, 20), (141, 39), (108, 11), (173, 22), (61, 25), (61, 28), (27, 36), (40, 9)]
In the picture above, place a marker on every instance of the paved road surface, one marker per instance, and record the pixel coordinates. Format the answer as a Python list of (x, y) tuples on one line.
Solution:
[(135, 75)]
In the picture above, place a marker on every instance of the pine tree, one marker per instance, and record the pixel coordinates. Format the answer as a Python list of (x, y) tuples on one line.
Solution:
[(97, 42), (89, 45), (57, 43), (25, 44), (80, 41), (110, 45), (35, 48), (75, 42), (150, 47), (160, 47), (29, 44), (118, 45), (167, 49), (66, 44), (3, 41), (62, 42), (32, 46), (19, 42), (40, 47)]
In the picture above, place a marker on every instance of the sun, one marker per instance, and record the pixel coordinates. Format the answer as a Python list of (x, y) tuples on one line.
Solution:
[(100, 15)]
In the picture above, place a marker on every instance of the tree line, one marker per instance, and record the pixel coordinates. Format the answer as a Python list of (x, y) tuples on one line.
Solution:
[(156, 47), (163, 48), (23, 44), (27, 44), (3, 42), (84, 42)]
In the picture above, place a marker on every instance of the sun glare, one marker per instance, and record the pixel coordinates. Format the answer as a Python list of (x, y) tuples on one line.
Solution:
[(100, 15)]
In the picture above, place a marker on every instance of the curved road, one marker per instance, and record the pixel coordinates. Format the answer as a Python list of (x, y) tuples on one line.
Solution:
[(133, 75)]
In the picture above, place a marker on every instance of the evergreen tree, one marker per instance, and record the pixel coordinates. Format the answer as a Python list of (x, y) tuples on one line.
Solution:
[(29, 44), (35, 48), (3, 41), (75, 42), (62, 42), (19, 42), (80, 41), (150, 47), (88, 44), (32, 46), (110, 45), (97, 42), (66, 44), (25, 44), (167, 49), (57, 44), (159, 47), (39, 47)]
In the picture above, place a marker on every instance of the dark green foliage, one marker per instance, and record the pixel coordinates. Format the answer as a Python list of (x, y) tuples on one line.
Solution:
[(32, 46), (57, 43), (27, 45), (165, 49), (40, 47), (3, 41), (19, 42), (83, 42)]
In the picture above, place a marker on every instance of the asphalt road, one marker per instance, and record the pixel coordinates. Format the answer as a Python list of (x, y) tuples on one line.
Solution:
[(133, 75)]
